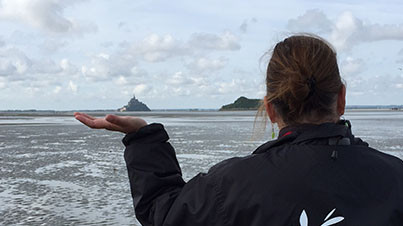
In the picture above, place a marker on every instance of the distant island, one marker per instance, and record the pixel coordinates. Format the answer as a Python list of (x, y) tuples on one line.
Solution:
[(134, 105), (242, 103)]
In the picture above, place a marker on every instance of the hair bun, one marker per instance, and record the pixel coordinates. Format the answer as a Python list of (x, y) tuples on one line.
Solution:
[(303, 78)]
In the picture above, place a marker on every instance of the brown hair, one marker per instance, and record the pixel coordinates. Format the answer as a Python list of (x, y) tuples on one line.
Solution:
[(303, 79)]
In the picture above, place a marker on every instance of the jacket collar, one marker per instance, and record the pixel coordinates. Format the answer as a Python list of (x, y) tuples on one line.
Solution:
[(305, 132)]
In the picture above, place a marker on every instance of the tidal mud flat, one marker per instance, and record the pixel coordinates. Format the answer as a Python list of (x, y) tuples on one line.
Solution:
[(55, 171)]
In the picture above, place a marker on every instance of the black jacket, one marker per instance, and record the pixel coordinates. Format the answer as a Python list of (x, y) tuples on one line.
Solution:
[(311, 175)]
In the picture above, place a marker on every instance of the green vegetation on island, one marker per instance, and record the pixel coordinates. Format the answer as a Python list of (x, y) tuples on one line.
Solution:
[(242, 103)]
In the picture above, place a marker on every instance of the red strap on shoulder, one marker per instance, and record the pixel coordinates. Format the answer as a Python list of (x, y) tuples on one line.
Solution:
[(287, 133)]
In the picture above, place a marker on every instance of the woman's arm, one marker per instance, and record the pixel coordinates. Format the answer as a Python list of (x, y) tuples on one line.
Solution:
[(160, 196)]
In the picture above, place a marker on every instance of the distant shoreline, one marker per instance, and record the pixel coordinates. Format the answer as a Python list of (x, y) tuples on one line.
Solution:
[(349, 108), (168, 113)]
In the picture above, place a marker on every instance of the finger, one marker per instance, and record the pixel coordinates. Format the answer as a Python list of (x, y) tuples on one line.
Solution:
[(85, 115), (93, 123), (83, 120), (117, 120), (78, 113), (98, 124), (86, 121)]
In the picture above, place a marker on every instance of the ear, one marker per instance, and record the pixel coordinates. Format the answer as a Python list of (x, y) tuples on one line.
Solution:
[(341, 100), (270, 110)]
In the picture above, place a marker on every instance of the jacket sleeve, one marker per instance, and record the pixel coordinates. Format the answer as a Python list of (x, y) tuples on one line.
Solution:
[(160, 195)]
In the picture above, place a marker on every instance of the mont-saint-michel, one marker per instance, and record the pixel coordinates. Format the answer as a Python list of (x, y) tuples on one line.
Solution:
[(134, 105)]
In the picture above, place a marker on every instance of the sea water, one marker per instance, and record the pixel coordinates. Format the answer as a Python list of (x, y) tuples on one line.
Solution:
[(56, 171)]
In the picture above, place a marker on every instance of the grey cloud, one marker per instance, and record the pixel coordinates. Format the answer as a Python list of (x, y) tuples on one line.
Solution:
[(178, 79), (347, 30), (245, 25), (22, 39), (46, 15), (98, 69), (352, 67), (373, 87), (121, 66), (234, 86), (2, 43), (107, 44), (15, 66), (124, 27), (376, 32), (121, 24), (203, 64), (52, 45), (311, 21), (180, 84), (67, 68), (80, 28), (350, 31), (124, 45), (354, 31), (157, 48), (45, 66), (400, 61), (13, 62), (103, 67), (225, 41)]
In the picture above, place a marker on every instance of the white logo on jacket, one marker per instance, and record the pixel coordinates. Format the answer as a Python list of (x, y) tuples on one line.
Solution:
[(303, 219)]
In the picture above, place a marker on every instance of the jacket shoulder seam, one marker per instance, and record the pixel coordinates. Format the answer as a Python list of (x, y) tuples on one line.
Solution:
[(220, 203)]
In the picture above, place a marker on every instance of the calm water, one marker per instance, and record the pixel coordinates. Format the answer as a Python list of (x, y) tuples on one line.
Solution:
[(55, 171)]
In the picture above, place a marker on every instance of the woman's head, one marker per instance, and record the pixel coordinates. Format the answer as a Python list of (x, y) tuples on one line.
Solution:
[(303, 84)]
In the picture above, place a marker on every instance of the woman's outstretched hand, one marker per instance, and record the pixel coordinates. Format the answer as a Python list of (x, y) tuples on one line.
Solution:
[(124, 124)]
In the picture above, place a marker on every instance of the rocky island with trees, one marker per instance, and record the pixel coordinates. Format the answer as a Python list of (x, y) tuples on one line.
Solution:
[(242, 104)]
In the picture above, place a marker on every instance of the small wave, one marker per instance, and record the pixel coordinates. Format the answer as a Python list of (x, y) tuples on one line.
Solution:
[(57, 166)]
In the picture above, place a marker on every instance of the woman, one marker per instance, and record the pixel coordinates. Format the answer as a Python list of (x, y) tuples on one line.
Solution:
[(315, 173)]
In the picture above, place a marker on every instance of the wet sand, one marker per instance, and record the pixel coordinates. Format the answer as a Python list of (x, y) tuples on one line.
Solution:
[(55, 171)]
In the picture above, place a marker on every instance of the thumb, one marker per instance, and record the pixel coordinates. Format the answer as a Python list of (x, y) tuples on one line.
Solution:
[(117, 120)]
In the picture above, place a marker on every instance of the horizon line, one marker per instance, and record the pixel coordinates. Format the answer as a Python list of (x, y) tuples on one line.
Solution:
[(361, 106)]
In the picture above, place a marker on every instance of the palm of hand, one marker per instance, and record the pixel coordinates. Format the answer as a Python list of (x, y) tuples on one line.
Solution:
[(124, 124)]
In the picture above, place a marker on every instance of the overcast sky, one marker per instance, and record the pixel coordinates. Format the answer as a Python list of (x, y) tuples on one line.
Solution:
[(71, 54)]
